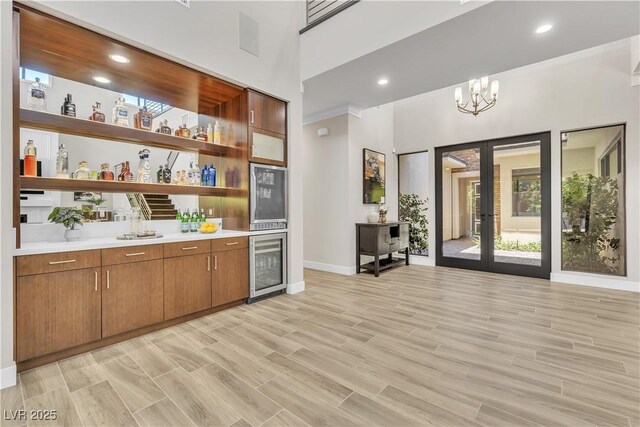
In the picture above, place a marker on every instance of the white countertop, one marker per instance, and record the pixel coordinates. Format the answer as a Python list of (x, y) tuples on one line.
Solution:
[(45, 247)]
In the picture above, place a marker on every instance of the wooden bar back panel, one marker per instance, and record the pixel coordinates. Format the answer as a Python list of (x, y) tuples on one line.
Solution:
[(62, 261), (57, 311)]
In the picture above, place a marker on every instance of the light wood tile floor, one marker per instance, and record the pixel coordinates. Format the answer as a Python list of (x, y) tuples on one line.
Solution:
[(416, 346)]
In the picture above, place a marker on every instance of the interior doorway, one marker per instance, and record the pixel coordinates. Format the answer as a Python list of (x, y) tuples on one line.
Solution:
[(493, 205)]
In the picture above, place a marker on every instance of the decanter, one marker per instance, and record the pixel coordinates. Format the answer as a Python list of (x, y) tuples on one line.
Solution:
[(143, 119), (120, 113), (97, 115), (83, 171), (144, 167), (164, 128), (105, 172), (62, 162), (37, 96)]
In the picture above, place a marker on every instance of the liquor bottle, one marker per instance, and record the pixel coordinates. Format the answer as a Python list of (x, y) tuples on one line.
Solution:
[(164, 128), (205, 176), (97, 115), (159, 175), (125, 173), (37, 96), (209, 133), (182, 178), (106, 174), (144, 167), (197, 178), (83, 171), (185, 132), (62, 162), (68, 108), (166, 174), (216, 133), (190, 174), (120, 113), (185, 226), (200, 134), (143, 119), (30, 159), (195, 221), (212, 175)]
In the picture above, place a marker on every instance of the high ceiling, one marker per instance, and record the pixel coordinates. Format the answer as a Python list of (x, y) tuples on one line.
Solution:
[(494, 38)]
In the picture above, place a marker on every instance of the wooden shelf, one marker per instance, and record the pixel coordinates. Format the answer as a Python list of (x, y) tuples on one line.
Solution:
[(39, 183), (81, 127)]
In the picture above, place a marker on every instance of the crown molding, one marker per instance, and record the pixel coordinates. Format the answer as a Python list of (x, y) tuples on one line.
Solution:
[(352, 109)]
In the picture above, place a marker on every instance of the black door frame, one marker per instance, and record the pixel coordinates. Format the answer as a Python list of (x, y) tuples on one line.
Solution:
[(486, 262)]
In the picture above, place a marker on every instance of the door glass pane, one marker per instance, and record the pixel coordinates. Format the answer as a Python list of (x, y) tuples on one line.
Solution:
[(593, 214), (267, 147), (461, 222), (517, 204), (268, 263), (270, 190), (413, 177)]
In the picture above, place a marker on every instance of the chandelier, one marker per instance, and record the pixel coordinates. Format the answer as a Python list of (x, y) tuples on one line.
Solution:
[(478, 102)]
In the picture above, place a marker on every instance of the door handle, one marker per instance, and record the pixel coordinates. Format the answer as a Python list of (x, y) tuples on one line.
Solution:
[(232, 243), (209, 263), (190, 248), (251, 116), (215, 262), (95, 287), (69, 261), (135, 254), (108, 280)]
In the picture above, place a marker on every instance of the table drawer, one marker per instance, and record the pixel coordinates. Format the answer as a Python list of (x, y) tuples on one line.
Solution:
[(131, 254), (62, 261), (186, 248), (229, 243)]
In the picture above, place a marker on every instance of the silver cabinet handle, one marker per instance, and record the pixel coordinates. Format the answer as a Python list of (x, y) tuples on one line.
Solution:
[(232, 244), (209, 263), (95, 287), (135, 254), (252, 117), (69, 261), (215, 262), (190, 248), (108, 280)]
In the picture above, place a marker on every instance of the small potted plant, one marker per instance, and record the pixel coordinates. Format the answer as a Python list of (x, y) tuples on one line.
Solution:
[(69, 217)]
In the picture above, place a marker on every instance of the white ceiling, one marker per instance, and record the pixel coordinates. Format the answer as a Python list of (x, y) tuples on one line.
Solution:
[(494, 38)]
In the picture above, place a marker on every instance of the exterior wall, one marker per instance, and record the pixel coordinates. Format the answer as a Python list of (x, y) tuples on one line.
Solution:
[(507, 220)]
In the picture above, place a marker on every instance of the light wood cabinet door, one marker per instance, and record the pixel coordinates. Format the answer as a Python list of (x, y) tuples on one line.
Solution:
[(230, 276), (187, 285), (132, 296), (267, 113), (55, 311)]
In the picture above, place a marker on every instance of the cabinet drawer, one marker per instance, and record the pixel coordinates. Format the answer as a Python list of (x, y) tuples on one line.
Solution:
[(131, 254), (186, 248), (62, 261), (229, 243)]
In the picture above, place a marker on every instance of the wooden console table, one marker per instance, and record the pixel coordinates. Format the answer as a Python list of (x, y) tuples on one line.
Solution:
[(382, 240)]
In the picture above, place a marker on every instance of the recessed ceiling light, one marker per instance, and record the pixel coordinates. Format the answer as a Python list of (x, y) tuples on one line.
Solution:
[(383, 82), (119, 58), (544, 28), (101, 79)]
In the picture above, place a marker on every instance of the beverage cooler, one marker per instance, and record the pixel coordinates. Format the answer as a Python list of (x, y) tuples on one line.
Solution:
[(267, 264), (268, 197)]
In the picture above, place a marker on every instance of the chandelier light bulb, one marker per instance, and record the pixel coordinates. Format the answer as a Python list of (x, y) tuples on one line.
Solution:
[(479, 99), (485, 82), (495, 87), (458, 95)]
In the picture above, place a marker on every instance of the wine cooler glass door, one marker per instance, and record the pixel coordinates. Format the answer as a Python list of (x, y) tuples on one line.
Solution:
[(268, 194), (269, 264)]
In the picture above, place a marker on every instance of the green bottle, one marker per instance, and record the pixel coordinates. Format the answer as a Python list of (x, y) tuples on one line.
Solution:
[(184, 225), (195, 221), (203, 218), (179, 216)]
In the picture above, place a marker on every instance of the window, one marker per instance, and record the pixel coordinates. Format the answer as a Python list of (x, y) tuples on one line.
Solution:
[(30, 75), (526, 192), (610, 164), (154, 107)]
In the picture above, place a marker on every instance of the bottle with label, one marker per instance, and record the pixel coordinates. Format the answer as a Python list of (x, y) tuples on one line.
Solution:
[(97, 115), (125, 173), (216, 133), (182, 178), (62, 162), (144, 167), (120, 113), (200, 134), (197, 178), (166, 174), (185, 132), (159, 175), (83, 171), (205, 176), (179, 215), (68, 108), (209, 133), (143, 119), (37, 96), (195, 221), (212, 175), (164, 128), (185, 225), (30, 159), (203, 218), (190, 174), (106, 174)]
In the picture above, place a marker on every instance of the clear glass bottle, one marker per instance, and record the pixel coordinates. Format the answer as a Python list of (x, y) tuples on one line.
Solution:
[(209, 133), (62, 162), (120, 113), (68, 108), (106, 174), (30, 159), (200, 134), (97, 115), (37, 96), (143, 119), (164, 128), (144, 167), (185, 132), (216, 133), (83, 171)]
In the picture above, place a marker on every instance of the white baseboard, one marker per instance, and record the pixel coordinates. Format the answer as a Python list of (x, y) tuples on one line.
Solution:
[(294, 288), (8, 376), (330, 268), (596, 280), (421, 260)]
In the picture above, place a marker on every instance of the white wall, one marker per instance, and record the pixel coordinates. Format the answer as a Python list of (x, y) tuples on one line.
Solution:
[(146, 24), (584, 89)]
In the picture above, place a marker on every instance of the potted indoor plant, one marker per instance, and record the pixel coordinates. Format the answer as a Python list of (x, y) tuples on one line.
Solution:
[(69, 217)]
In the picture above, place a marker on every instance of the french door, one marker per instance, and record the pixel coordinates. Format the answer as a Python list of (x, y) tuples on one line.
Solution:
[(493, 205)]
